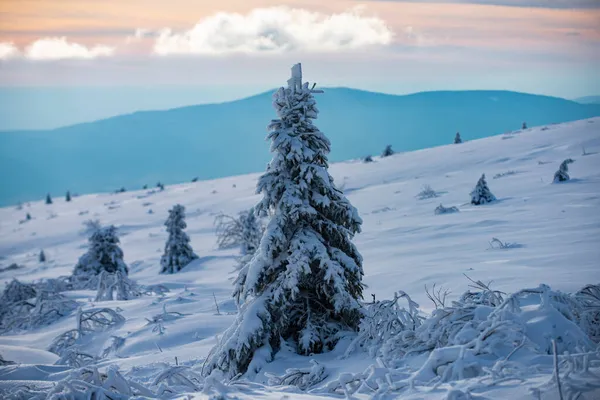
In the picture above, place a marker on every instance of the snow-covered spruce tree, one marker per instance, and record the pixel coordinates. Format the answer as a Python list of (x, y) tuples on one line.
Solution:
[(304, 282), (457, 138), (387, 151), (48, 199), (68, 196), (178, 252), (482, 194), (562, 175), (42, 256), (368, 159), (104, 254), (524, 126)]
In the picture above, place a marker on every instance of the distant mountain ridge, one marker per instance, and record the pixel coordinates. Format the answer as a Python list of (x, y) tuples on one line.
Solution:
[(588, 100), (215, 140)]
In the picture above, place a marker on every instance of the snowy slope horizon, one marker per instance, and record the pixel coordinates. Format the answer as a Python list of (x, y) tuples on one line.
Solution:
[(131, 148), (553, 229)]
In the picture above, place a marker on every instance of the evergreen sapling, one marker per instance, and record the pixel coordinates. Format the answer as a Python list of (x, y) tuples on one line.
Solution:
[(482, 194), (178, 252), (457, 138), (387, 151), (562, 175), (104, 254)]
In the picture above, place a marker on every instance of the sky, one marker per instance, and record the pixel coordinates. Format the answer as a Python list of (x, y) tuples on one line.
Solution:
[(232, 48)]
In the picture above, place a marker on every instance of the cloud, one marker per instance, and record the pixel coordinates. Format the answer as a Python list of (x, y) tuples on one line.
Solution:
[(276, 30), (562, 4), (58, 48), (139, 34), (8, 50)]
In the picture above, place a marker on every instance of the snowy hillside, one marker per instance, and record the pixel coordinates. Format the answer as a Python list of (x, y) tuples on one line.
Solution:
[(552, 231)]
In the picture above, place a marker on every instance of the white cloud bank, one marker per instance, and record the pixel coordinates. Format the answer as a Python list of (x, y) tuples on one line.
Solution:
[(8, 51), (59, 48), (54, 48), (275, 30)]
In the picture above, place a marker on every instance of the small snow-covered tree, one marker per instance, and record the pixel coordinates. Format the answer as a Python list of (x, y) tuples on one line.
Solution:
[(304, 282), (104, 254), (28, 217), (457, 138), (482, 194), (178, 252), (387, 151), (368, 159), (524, 126), (42, 256), (562, 174), (48, 199), (68, 196)]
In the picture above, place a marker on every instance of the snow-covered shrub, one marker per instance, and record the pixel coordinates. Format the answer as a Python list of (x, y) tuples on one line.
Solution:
[(387, 151), (503, 174), (90, 226), (499, 244), (4, 362), (562, 174), (104, 254), (158, 320), (177, 379), (368, 159), (83, 383), (457, 138), (16, 291), (42, 256), (588, 299), (384, 320), (88, 322), (245, 231), (304, 281), (75, 357), (178, 252), (48, 199), (302, 378), (477, 336), (445, 210), (68, 196), (427, 192), (45, 309), (482, 194), (116, 286)]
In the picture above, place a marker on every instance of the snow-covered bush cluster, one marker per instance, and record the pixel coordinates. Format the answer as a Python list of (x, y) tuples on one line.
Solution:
[(445, 210), (70, 344), (476, 336), (427, 192), (19, 311), (116, 286)]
